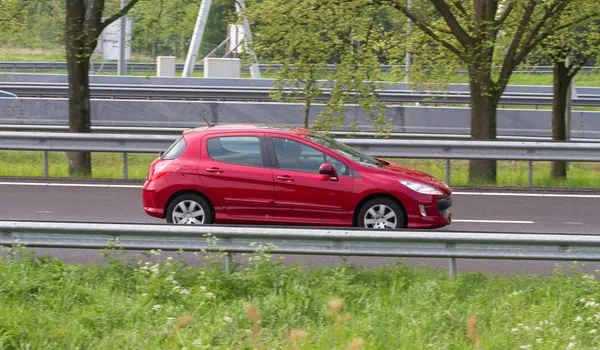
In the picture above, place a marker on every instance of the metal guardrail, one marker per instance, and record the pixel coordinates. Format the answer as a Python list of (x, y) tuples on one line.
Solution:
[(236, 93), (151, 67), (386, 148), (309, 241)]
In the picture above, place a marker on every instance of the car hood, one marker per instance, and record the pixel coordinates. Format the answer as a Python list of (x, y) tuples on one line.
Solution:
[(402, 172)]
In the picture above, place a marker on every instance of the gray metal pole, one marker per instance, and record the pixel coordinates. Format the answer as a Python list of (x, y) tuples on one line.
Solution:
[(408, 54), (240, 5), (190, 60), (122, 66)]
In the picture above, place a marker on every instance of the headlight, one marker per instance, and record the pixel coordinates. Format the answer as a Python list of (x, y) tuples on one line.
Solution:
[(420, 188)]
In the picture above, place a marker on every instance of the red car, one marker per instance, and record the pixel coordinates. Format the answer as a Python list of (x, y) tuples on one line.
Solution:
[(264, 174)]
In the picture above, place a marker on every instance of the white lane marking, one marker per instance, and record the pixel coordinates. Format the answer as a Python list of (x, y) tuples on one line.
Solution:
[(50, 184), (492, 221), (572, 223), (508, 194), (44, 212)]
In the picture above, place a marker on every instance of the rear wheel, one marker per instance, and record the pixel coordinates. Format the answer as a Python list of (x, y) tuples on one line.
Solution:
[(381, 213), (190, 209)]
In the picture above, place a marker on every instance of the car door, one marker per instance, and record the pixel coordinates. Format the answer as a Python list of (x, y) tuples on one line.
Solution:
[(304, 196), (236, 170)]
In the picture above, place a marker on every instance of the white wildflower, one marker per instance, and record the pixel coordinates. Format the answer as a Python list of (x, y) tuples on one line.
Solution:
[(525, 347), (176, 288), (571, 345), (210, 295), (578, 319), (197, 342), (514, 330), (145, 294), (228, 319), (203, 288), (184, 292), (572, 337), (526, 328), (593, 331), (156, 307), (538, 328), (538, 341), (170, 318)]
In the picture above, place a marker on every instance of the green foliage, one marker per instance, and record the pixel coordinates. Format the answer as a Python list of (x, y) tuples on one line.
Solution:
[(165, 303), (11, 17), (306, 36)]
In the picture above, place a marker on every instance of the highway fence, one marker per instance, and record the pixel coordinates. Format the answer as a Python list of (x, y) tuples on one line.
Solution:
[(385, 148), (100, 66), (308, 241)]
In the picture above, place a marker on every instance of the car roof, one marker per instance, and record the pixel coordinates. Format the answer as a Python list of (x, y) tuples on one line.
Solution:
[(286, 129)]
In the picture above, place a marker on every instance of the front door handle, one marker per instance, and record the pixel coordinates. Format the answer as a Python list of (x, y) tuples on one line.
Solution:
[(285, 178), (214, 170)]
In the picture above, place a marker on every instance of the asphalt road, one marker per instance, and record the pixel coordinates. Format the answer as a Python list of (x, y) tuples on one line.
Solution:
[(483, 211)]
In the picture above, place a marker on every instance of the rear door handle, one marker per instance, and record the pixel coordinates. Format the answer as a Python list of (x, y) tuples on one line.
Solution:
[(285, 178), (214, 170)]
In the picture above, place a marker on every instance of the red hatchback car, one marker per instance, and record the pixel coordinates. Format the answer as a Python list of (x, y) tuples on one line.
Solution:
[(264, 174)]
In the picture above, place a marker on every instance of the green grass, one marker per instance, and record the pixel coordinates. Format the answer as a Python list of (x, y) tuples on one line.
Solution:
[(109, 166), (167, 304)]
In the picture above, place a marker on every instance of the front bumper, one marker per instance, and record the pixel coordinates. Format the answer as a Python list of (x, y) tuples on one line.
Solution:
[(432, 213)]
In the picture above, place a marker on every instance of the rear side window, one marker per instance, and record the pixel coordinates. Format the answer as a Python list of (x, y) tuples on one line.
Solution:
[(241, 150), (175, 150)]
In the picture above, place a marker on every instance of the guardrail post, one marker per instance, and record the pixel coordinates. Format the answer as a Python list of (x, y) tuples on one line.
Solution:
[(452, 268), (45, 163), (125, 165), (448, 172), (228, 263), (530, 173)]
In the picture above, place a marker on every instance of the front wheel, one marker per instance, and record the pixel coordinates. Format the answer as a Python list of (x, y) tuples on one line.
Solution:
[(189, 209), (381, 213)]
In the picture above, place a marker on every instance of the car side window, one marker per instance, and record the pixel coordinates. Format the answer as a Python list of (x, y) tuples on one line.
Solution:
[(296, 156), (241, 150)]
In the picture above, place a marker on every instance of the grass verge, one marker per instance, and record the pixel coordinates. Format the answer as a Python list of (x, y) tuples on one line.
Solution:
[(166, 304), (109, 166)]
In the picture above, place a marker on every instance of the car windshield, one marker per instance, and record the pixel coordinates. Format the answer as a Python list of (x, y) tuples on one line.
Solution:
[(345, 150)]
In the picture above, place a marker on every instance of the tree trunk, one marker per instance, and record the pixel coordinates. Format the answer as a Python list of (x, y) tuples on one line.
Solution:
[(78, 64), (483, 127), (561, 80)]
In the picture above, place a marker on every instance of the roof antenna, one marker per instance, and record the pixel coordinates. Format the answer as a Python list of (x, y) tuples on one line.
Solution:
[(200, 114)]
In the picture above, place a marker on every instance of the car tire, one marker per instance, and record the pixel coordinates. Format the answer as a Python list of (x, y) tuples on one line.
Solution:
[(189, 209), (381, 213)]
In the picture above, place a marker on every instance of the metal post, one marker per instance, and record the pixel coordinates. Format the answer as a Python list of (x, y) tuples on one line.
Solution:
[(530, 173), (190, 60), (229, 263), (448, 172), (125, 165), (45, 163), (240, 5), (408, 54), (122, 65), (452, 268)]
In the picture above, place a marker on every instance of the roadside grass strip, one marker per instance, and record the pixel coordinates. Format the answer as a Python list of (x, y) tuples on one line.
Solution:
[(153, 302), (109, 166)]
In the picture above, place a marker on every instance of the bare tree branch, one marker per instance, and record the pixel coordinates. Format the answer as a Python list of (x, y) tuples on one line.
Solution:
[(119, 14), (505, 14), (427, 30), (509, 62), (461, 35)]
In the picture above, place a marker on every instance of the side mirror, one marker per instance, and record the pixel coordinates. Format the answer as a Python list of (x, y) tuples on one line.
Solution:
[(161, 153), (329, 170)]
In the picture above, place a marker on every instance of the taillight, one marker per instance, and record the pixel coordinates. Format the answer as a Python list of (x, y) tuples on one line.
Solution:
[(161, 168)]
